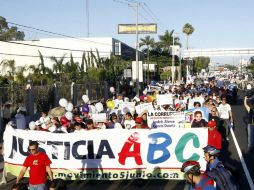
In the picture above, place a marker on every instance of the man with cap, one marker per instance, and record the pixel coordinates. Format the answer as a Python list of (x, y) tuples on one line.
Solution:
[(139, 124), (198, 180), (214, 136)]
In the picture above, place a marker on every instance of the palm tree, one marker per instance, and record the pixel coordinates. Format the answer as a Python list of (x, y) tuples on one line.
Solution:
[(42, 68), (58, 66), (148, 42), (188, 29), (166, 40)]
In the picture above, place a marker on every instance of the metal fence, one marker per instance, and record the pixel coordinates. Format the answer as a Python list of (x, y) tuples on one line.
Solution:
[(41, 98)]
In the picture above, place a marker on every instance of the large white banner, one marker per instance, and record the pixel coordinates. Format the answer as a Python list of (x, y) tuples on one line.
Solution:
[(110, 154)]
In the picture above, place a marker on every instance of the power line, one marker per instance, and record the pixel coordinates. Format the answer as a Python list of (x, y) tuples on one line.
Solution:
[(26, 55), (56, 34), (48, 47)]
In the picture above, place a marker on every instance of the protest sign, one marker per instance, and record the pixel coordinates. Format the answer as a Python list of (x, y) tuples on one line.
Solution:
[(158, 119), (164, 99), (143, 107), (87, 155), (100, 117)]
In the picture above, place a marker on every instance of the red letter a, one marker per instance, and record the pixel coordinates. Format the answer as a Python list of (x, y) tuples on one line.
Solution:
[(125, 152)]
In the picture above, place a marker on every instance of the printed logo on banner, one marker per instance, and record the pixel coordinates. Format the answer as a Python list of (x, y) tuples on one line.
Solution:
[(106, 157)]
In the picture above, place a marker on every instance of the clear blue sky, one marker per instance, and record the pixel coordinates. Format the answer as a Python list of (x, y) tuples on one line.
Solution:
[(217, 23)]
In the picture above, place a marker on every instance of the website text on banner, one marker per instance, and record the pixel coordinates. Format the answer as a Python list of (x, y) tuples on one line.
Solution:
[(110, 154)]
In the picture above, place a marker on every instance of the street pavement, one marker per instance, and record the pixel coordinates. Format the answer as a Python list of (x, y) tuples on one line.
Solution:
[(229, 156)]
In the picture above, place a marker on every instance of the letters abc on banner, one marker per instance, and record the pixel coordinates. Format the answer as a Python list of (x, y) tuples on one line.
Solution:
[(111, 155)]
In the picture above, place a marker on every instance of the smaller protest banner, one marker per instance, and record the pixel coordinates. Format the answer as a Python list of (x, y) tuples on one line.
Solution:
[(143, 107), (164, 99), (100, 117), (158, 119)]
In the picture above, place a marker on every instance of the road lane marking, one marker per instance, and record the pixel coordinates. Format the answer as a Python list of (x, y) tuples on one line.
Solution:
[(246, 171)]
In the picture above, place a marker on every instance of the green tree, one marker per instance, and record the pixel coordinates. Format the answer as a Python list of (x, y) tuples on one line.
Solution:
[(166, 40), (188, 29), (9, 33), (58, 66), (201, 63)]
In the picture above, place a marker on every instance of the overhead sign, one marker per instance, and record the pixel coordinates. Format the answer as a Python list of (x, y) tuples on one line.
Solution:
[(142, 28)]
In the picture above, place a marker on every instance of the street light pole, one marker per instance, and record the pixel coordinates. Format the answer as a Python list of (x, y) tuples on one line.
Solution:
[(173, 60), (137, 47)]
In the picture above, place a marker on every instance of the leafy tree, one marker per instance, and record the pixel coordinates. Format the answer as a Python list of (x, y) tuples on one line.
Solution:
[(188, 29), (9, 33), (58, 66), (166, 40), (201, 63)]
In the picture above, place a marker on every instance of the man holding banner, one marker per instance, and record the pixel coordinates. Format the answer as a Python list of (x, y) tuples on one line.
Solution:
[(39, 164)]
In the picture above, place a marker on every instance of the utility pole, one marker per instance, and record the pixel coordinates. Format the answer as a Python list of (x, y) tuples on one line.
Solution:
[(173, 60), (87, 17), (136, 5)]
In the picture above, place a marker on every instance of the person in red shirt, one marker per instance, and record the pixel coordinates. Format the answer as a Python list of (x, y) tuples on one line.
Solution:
[(214, 136), (140, 124), (39, 164)]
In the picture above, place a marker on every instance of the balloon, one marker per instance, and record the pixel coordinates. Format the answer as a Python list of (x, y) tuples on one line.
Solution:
[(64, 121), (69, 107), (110, 104), (125, 110), (32, 125), (126, 99), (85, 108), (63, 102), (249, 87), (150, 98), (99, 107), (85, 98), (112, 89), (92, 109), (68, 115), (145, 92)]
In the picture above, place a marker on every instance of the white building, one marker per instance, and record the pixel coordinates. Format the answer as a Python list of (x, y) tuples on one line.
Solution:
[(26, 53)]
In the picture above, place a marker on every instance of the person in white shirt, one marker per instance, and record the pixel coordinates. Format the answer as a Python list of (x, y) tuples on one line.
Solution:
[(128, 121), (78, 128), (225, 115)]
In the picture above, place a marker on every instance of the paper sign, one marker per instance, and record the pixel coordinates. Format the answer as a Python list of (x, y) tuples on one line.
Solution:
[(143, 107), (100, 117), (164, 99)]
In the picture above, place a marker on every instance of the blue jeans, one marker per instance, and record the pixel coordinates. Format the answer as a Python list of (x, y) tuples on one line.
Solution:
[(37, 187), (250, 135)]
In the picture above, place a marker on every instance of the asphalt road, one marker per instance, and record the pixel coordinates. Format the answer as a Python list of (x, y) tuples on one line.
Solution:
[(229, 156)]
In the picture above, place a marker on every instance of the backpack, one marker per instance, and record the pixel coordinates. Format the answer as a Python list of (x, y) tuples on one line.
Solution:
[(223, 178)]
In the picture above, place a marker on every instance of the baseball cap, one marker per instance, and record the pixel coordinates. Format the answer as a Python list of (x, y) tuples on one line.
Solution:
[(139, 120)]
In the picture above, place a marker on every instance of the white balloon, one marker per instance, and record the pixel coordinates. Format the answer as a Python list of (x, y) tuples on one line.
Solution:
[(99, 107), (112, 89), (85, 98), (144, 92), (249, 87), (126, 99), (63, 102), (69, 107), (92, 109), (32, 125), (69, 115)]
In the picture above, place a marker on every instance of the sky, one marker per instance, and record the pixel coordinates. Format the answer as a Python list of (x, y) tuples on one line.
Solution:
[(217, 23)]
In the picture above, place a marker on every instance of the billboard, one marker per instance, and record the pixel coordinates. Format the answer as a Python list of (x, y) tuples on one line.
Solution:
[(150, 28)]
